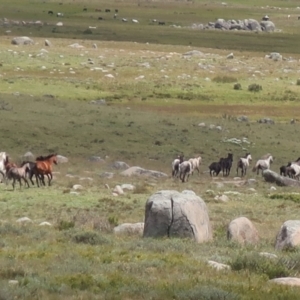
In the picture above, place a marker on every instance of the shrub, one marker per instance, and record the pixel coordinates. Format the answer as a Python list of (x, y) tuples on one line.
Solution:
[(89, 237), (206, 293), (295, 197), (272, 268), (65, 225), (298, 81), (224, 79), (254, 87), (87, 31), (237, 86)]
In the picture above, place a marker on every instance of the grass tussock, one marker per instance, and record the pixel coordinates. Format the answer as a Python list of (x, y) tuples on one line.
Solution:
[(295, 197)]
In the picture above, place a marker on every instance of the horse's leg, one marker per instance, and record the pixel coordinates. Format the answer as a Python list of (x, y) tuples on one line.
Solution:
[(3, 175), (30, 177), (49, 178), (26, 181), (20, 183), (13, 183)]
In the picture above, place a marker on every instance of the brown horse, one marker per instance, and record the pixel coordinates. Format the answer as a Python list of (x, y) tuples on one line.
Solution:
[(43, 166), (8, 165)]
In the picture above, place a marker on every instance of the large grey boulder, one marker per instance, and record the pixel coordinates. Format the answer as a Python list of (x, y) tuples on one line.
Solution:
[(273, 177), (28, 156), (62, 159), (174, 214), (138, 171), (22, 40), (222, 24), (243, 231), (291, 281), (288, 236), (253, 25), (267, 26)]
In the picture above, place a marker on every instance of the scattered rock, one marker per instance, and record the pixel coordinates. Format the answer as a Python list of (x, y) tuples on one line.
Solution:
[(62, 159), (22, 40), (120, 165), (268, 255), (48, 43), (243, 231), (96, 159), (138, 171), (24, 220), (266, 121), (201, 125), (77, 187), (230, 56), (222, 198), (130, 229), (242, 119), (107, 175), (193, 53), (76, 45), (94, 46), (28, 156), (118, 190), (13, 282), (288, 236), (128, 187), (274, 56), (59, 24), (273, 188), (218, 266), (45, 224), (99, 102), (292, 281)]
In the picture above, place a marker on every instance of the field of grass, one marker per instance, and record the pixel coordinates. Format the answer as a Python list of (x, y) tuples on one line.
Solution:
[(155, 97)]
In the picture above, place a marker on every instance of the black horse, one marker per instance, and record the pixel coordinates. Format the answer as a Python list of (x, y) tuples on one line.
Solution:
[(226, 164), (215, 168)]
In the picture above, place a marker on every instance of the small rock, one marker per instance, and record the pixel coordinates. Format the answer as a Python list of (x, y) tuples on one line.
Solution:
[(230, 56), (107, 175), (267, 254), (128, 187), (292, 281), (13, 282), (45, 224), (94, 46), (218, 266), (24, 220), (62, 159), (107, 186), (118, 190), (77, 187), (48, 43), (201, 125), (273, 188)]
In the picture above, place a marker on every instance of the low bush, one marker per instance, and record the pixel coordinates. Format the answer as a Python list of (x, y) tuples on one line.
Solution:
[(254, 87), (237, 86), (272, 268)]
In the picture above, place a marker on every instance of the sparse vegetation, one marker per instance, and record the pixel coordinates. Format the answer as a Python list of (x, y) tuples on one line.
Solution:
[(153, 100)]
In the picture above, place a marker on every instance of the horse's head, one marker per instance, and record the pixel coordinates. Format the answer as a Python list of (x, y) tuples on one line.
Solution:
[(249, 157), (54, 159), (230, 156), (271, 159), (181, 158)]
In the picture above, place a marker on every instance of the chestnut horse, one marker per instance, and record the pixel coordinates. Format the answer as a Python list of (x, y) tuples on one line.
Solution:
[(43, 166)]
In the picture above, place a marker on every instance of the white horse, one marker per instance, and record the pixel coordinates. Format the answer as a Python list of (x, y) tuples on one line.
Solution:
[(263, 164), (175, 165), (296, 168), (2, 163), (17, 174), (243, 164), (196, 162), (185, 170)]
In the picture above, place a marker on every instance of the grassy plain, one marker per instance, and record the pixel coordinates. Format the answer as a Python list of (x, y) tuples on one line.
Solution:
[(155, 98)]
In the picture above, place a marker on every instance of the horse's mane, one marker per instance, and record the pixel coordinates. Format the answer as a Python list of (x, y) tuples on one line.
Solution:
[(41, 158)]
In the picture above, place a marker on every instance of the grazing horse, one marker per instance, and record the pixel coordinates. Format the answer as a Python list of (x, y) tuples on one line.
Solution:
[(263, 164), (215, 168), (175, 165), (16, 173), (226, 164), (185, 170), (43, 166), (243, 163)]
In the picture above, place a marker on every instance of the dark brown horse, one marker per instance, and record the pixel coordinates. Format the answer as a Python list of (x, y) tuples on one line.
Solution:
[(43, 166), (8, 165)]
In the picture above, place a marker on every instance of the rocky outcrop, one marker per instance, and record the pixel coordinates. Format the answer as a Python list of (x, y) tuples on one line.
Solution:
[(174, 214), (273, 177)]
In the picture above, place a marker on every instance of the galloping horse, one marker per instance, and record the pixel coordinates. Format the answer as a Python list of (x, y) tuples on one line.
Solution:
[(43, 166), (2, 163), (243, 164), (263, 164)]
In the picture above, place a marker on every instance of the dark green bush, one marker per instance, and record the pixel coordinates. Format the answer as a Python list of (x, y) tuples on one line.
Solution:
[(254, 87), (206, 293), (237, 86), (224, 79), (89, 237), (272, 268)]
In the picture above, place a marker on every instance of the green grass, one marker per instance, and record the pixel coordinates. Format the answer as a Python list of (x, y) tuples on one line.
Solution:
[(45, 106)]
